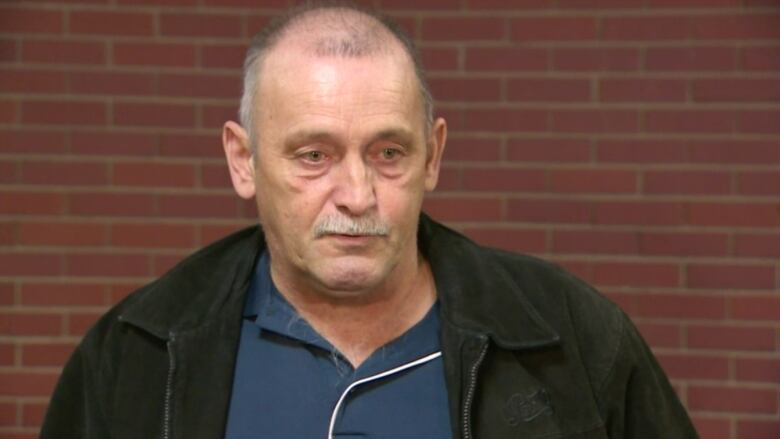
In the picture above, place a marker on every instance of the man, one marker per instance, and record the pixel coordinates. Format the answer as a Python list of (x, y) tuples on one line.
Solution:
[(351, 314)]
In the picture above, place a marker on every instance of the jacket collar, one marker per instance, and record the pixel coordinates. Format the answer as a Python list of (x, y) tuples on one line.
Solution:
[(477, 292)]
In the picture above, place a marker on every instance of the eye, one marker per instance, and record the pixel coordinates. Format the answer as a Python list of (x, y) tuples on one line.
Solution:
[(390, 153), (314, 156)]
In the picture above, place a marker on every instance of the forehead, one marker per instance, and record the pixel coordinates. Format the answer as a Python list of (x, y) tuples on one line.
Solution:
[(301, 85)]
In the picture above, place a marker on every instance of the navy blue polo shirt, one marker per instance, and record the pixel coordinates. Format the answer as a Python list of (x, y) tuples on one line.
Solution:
[(289, 380)]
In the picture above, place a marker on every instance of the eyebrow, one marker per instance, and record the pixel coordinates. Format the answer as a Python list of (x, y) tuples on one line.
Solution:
[(397, 134)]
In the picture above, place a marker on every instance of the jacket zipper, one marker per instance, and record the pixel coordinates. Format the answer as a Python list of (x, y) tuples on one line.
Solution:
[(470, 391), (169, 387)]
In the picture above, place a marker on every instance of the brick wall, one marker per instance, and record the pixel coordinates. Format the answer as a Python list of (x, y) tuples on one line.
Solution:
[(636, 142)]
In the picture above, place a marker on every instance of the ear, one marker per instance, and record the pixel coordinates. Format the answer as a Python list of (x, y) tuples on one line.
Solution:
[(436, 142), (239, 158)]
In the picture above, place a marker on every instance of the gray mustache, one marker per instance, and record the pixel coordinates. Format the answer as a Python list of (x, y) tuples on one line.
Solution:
[(341, 225)]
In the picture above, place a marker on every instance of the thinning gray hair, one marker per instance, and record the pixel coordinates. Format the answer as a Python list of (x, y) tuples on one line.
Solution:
[(359, 41)]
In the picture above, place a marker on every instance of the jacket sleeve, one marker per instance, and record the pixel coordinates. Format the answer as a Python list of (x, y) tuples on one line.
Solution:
[(74, 410), (636, 398)]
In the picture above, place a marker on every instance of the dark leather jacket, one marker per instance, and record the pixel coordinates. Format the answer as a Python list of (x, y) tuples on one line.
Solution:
[(529, 352)]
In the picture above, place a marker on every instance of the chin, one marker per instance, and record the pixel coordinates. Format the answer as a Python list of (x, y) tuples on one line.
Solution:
[(349, 279)]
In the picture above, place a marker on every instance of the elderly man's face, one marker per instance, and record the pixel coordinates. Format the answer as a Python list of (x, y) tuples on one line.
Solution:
[(342, 164)]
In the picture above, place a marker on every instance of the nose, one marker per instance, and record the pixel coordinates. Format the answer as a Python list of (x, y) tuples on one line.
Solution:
[(354, 192)]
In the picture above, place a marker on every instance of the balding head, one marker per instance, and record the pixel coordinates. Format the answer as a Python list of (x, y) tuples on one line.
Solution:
[(327, 30)]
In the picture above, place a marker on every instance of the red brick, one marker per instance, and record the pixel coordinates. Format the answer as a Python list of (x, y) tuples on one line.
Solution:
[(63, 173), (215, 176), (31, 203), (275, 4), (32, 81), (759, 183), (503, 179), (470, 29), (736, 90), (9, 111), (416, 4), (33, 414), (594, 242), (30, 264), (638, 213), (712, 428), (154, 54), (452, 209), (255, 23), (158, 235), (223, 56), (548, 90), (212, 232), (731, 338), (518, 240), (600, 4), (62, 234), (35, 324), (505, 120), (28, 20), (546, 150), (734, 214), (506, 4), (27, 383), (755, 245), (200, 25), (7, 358), (581, 269), (63, 52), (553, 28), (199, 206), (79, 324), (62, 294), (469, 90), (683, 244), (687, 182), (545, 211), (678, 306), (645, 28), (761, 122), (595, 59), (108, 264), (114, 204), (472, 150), (9, 51), (696, 367), (640, 274), (111, 23), (593, 181), (7, 294), (661, 334), (595, 121), (48, 354), (159, 2), (758, 369), (692, 121), (114, 143), (515, 59), (201, 85), (742, 26), (731, 276), (64, 112), (214, 116), (148, 114), (439, 59), (729, 399), (756, 308), (680, 59), (761, 58), (32, 141), (194, 145), (734, 152), (642, 90), (153, 174), (758, 428), (113, 83), (693, 3)]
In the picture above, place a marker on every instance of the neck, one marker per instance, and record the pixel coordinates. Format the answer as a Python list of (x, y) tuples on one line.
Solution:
[(357, 325)]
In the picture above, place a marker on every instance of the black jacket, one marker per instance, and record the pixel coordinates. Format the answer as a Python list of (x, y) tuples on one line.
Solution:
[(529, 352)]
